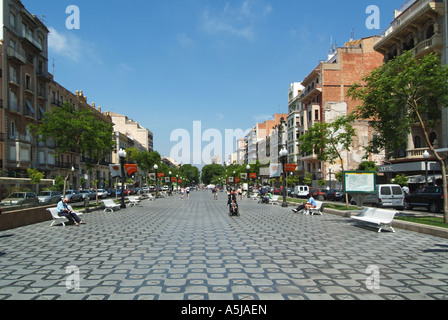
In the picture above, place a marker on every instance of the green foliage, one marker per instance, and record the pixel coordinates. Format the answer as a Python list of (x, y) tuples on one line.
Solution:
[(399, 94), (327, 140), (35, 175), (76, 131), (368, 166), (401, 179)]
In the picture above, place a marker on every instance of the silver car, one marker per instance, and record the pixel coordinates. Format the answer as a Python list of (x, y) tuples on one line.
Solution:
[(28, 199), (49, 197), (73, 195)]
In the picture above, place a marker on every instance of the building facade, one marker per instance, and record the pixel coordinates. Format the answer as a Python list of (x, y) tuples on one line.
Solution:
[(323, 99), (421, 27), (24, 88)]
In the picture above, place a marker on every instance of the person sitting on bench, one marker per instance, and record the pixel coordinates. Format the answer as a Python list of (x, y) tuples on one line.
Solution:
[(307, 205)]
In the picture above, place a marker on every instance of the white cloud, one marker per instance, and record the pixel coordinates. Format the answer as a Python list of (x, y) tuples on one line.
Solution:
[(66, 45), (238, 21), (184, 40)]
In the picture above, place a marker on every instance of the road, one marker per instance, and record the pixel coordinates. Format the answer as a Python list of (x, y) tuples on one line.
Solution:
[(174, 249)]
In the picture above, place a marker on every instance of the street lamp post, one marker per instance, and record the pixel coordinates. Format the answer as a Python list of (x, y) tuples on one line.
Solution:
[(234, 182), (426, 156), (283, 158), (122, 156), (329, 170), (247, 177), (171, 184), (156, 167)]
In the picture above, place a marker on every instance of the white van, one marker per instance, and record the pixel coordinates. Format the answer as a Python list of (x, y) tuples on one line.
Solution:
[(301, 191), (386, 196)]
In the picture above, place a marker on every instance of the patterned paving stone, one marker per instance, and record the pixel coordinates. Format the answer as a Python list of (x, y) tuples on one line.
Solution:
[(173, 249)]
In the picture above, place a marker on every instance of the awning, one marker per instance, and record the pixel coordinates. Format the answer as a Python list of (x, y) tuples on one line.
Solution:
[(29, 105)]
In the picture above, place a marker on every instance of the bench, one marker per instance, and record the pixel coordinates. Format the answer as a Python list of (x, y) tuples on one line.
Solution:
[(378, 217), (317, 208), (254, 196), (133, 200), (109, 204), (151, 197), (57, 218), (274, 200)]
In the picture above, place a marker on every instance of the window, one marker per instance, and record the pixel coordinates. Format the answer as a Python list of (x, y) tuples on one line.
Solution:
[(12, 101), (27, 82), (13, 130), (316, 114), (12, 20)]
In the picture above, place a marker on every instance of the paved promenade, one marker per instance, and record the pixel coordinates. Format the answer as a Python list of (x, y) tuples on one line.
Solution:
[(173, 249)]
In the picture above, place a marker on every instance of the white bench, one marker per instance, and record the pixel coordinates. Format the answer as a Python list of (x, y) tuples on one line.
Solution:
[(378, 217), (57, 218), (317, 209), (109, 204), (151, 197), (274, 200), (133, 200), (254, 196)]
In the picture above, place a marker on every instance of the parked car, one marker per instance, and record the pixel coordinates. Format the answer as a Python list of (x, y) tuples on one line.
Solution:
[(102, 193), (88, 194), (430, 197), (28, 199), (300, 191), (386, 195), (318, 194), (111, 192), (334, 195), (73, 195), (49, 197)]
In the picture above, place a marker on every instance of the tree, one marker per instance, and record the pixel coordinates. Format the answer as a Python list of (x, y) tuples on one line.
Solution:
[(76, 131), (399, 94), (35, 176), (328, 140), (211, 171)]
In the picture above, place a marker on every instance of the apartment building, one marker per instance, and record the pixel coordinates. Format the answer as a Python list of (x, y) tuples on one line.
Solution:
[(323, 99), (419, 26), (143, 138), (294, 121), (24, 88)]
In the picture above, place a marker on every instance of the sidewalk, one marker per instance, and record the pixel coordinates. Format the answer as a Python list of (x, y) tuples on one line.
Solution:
[(173, 249)]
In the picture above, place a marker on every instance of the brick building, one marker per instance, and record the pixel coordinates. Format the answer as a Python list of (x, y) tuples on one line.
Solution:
[(323, 98)]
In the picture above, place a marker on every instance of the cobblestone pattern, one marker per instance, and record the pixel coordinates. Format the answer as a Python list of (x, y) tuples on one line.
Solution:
[(173, 249)]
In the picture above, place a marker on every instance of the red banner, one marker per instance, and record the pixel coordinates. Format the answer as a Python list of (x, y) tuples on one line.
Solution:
[(237, 180), (131, 168), (252, 176), (173, 179), (291, 167), (160, 175)]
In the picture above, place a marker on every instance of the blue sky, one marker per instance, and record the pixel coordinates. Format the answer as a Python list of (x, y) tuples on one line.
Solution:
[(227, 64)]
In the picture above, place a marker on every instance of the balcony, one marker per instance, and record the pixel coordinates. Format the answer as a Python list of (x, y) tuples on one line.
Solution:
[(415, 13), (17, 56), (434, 44), (30, 39), (44, 75)]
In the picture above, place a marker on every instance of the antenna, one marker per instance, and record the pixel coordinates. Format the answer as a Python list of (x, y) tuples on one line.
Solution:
[(352, 36), (53, 66)]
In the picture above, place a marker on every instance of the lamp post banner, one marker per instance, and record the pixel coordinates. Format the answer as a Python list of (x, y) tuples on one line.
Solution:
[(291, 167), (275, 170), (130, 168), (115, 170)]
